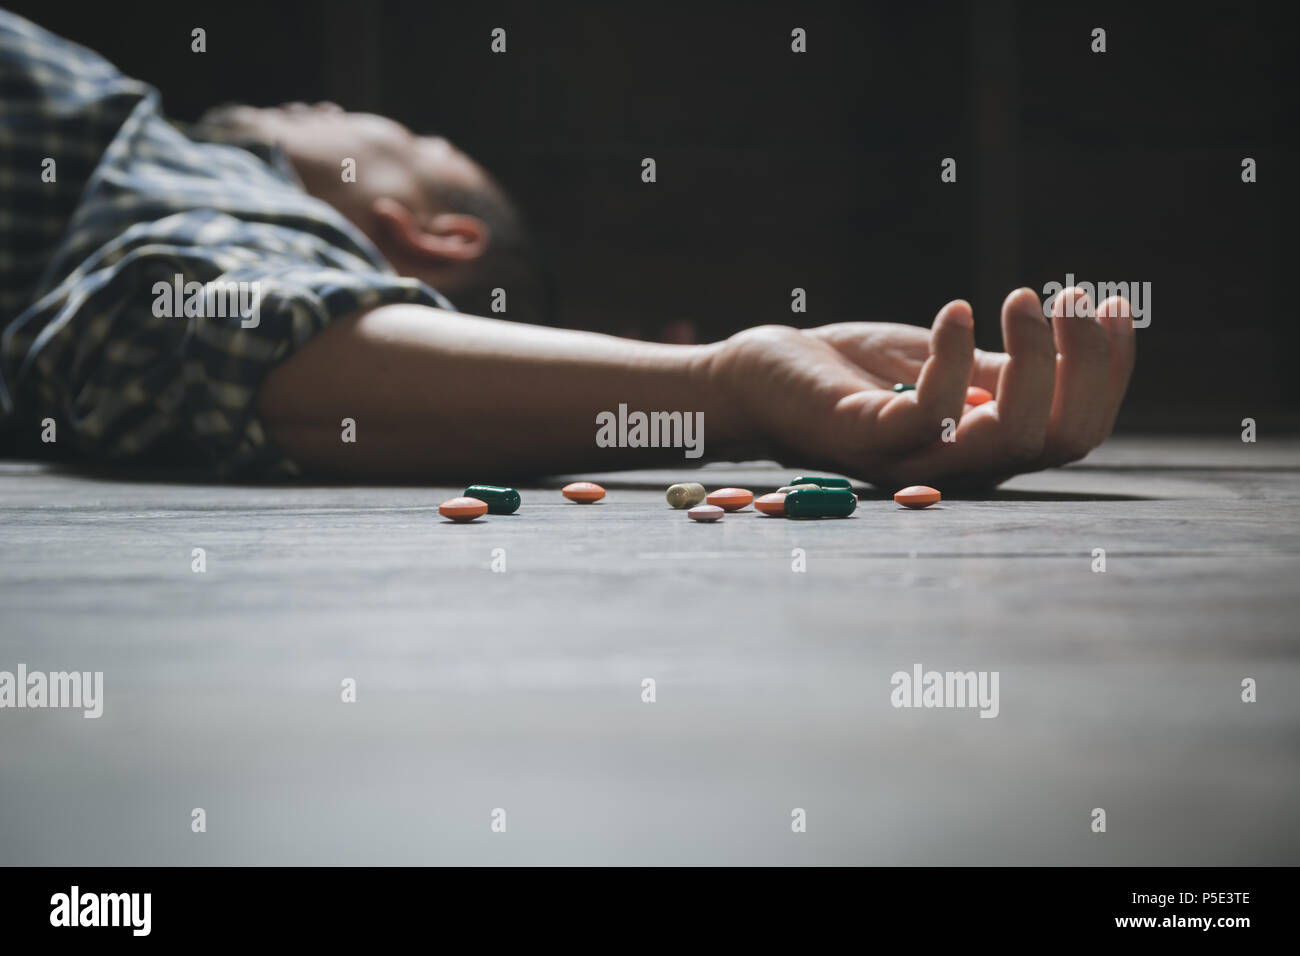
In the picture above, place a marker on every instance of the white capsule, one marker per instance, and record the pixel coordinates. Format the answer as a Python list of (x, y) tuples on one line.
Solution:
[(685, 494)]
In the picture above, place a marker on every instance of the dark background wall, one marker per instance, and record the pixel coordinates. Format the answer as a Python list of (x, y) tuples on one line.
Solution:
[(821, 170)]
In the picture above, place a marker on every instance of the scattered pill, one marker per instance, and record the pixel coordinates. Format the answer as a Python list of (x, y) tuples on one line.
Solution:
[(463, 509), (705, 513), (820, 503), (978, 396), (789, 488), (773, 504), (730, 499), (821, 482), (500, 500), (917, 496), (583, 492), (900, 387), (685, 494)]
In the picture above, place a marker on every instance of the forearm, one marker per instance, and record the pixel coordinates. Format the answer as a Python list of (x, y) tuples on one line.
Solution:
[(436, 394)]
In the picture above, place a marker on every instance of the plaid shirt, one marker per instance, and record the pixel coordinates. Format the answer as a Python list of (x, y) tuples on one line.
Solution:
[(132, 201)]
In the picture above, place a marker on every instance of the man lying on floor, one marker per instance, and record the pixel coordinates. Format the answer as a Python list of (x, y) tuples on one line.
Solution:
[(110, 207)]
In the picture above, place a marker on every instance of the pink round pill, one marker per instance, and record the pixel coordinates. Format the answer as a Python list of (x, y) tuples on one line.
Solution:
[(704, 513)]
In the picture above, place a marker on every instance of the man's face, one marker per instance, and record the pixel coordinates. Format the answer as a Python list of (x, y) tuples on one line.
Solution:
[(390, 161)]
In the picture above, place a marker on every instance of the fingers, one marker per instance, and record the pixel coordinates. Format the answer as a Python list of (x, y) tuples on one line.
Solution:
[(1003, 436), (916, 418), (941, 389), (1116, 320), (1024, 391), (1058, 389), (987, 371), (1081, 403)]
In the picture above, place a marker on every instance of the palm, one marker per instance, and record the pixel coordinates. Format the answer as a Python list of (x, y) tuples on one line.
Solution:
[(824, 396)]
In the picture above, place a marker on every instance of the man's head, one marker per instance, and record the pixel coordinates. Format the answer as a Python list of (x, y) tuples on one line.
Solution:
[(433, 212)]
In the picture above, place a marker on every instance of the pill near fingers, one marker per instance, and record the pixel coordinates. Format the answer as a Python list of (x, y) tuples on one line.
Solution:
[(730, 499), (789, 488), (583, 492), (463, 509), (820, 503), (978, 396), (704, 513), (900, 387), (685, 494), (821, 482), (773, 504), (917, 496), (500, 500)]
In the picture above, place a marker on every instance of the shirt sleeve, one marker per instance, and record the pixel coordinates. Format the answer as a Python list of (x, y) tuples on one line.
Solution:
[(153, 282), (158, 338)]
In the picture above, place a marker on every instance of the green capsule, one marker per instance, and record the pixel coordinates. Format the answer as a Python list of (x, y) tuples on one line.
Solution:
[(500, 501), (785, 490), (822, 482), (900, 387), (820, 503)]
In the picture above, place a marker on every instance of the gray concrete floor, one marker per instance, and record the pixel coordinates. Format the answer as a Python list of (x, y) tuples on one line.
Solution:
[(522, 690)]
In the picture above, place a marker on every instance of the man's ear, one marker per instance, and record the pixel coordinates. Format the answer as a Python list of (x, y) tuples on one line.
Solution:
[(446, 237)]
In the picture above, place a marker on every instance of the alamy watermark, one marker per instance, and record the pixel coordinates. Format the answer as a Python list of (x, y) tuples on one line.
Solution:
[(920, 688), (75, 908), (651, 430), (70, 689), (208, 300), (1138, 295)]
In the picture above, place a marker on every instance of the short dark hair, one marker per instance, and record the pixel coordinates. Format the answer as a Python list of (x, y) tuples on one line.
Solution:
[(510, 262)]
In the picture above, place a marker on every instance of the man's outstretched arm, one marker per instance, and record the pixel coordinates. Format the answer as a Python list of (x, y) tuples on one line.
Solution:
[(440, 395)]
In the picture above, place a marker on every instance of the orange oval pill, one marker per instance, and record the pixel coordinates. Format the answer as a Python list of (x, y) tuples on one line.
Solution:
[(704, 513), (730, 499), (773, 504), (463, 509), (978, 396), (917, 496), (583, 492)]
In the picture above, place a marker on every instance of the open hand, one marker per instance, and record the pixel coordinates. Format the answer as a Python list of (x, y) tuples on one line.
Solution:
[(823, 397)]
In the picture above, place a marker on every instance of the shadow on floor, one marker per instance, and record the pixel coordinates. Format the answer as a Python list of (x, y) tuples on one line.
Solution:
[(1215, 468), (867, 493), (175, 475), (130, 474), (1037, 496)]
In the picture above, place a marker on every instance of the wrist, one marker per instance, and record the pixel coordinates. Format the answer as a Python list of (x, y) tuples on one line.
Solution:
[(730, 431)]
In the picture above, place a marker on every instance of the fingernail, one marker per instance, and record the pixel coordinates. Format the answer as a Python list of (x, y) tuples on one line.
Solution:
[(958, 314)]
